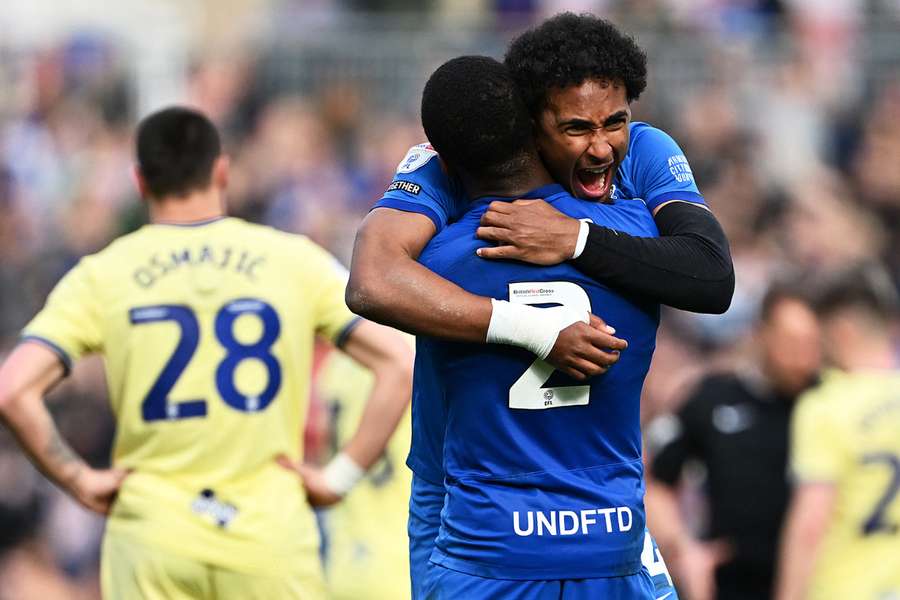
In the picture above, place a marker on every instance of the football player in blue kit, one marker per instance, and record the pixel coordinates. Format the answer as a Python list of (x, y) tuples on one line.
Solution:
[(543, 473), (689, 268)]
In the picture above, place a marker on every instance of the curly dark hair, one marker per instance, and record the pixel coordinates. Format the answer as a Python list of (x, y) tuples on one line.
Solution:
[(569, 49), (473, 115)]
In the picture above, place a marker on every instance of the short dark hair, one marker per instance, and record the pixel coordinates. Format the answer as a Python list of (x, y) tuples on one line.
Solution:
[(866, 287), (782, 290), (569, 49), (474, 117), (176, 149)]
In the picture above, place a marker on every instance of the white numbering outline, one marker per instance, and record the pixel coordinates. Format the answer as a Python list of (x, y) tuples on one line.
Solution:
[(528, 392), (653, 560)]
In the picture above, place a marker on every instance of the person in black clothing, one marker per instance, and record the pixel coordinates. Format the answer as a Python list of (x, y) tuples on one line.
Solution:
[(736, 425)]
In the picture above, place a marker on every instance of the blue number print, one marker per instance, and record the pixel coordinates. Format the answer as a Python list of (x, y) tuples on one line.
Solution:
[(876, 523), (238, 352), (156, 405)]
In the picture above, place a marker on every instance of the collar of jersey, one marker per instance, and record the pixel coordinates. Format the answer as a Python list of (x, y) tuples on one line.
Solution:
[(193, 223), (544, 192)]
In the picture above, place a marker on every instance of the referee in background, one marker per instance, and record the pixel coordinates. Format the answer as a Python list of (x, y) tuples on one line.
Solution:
[(735, 424)]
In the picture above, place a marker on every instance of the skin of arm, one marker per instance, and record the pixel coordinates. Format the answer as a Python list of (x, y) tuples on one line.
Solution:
[(693, 562), (390, 358), (25, 378), (805, 526), (389, 286)]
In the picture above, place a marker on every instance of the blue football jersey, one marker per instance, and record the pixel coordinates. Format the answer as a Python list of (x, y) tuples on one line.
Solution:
[(544, 476), (654, 170)]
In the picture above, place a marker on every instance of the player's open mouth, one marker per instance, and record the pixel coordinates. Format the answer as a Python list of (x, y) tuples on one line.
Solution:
[(593, 182)]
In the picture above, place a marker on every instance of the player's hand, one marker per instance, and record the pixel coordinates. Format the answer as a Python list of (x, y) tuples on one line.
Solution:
[(96, 489), (317, 491), (696, 564), (583, 351), (528, 230)]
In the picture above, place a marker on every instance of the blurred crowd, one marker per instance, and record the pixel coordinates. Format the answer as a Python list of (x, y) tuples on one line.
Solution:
[(789, 112)]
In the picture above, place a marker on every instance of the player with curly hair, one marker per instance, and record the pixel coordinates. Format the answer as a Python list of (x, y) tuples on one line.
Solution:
[(577, 76)]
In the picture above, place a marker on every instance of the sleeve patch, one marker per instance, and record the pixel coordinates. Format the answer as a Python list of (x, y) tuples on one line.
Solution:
[(405, 186), (417, 157), (680, 169)]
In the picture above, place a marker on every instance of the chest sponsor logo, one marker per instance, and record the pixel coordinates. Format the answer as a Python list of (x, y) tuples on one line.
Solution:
[(206, 504), (616, 519)]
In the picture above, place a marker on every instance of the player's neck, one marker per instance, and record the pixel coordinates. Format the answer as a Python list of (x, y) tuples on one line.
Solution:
[(531, 176), (202, 205)]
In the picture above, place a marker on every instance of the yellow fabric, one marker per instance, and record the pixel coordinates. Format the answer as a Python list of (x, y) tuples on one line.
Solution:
[(133, 571), (368, 554), (847, 432), (207, 487)]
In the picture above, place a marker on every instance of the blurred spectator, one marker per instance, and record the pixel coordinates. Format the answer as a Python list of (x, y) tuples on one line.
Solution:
[(736, 425)]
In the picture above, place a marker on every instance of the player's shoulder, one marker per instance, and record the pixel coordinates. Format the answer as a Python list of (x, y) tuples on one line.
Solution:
[(828, 397), (646, 136)]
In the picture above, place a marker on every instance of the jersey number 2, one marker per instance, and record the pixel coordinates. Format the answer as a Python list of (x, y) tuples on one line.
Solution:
[(157, 406), (531, 391)]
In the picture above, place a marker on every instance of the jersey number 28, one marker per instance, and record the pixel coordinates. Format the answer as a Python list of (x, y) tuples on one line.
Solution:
[(157, 406)]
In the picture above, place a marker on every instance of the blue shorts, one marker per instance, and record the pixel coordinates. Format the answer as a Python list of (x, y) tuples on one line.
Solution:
[(446, 584), (425, 503), (426, 500)]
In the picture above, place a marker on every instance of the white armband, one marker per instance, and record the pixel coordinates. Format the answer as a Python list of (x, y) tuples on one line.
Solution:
[(529, 327), (342, 473), (581, 242)]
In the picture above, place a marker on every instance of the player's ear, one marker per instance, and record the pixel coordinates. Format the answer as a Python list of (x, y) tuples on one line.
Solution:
[(220, 171), (139, 180)]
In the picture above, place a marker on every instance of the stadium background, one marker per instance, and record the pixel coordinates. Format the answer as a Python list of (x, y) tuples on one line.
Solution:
[(789, 112)]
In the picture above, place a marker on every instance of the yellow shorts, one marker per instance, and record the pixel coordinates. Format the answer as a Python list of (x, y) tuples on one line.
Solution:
[(131, 570)]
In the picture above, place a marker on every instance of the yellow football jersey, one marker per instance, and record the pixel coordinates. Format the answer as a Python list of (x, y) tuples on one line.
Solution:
[(847, 432), (368, 550), (207, 333)]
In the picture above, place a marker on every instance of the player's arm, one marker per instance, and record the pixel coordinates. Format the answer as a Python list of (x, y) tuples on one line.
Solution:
[(805, 526), (673, 441), (25, 378), (688, 267), (389, 286), (390, 359)]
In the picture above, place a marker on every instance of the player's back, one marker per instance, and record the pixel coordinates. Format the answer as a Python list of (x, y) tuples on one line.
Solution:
[(847, 432), (544, 474), (207, 333)]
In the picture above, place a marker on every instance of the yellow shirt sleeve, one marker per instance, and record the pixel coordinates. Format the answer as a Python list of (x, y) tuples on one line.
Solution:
[(817, 441), (333, 319), (70, 321)]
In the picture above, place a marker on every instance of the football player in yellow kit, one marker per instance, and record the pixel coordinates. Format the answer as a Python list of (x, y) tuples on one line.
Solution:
[(842, 533), (207, 325), (368, 549)]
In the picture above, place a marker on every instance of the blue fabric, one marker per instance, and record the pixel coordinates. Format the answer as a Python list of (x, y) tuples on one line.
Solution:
[(549, 491), (655, 169), (425, 502), (421, 185), (447, 584)]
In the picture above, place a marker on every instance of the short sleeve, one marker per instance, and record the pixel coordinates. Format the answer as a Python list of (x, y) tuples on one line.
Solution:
[(333, 320), (817, 454), (70, 321), (420, 185), (659, 170), (670, 439)]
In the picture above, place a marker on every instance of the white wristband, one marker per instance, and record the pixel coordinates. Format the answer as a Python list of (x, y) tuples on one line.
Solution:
[(529, 327), (342, 473), (581, 242)]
